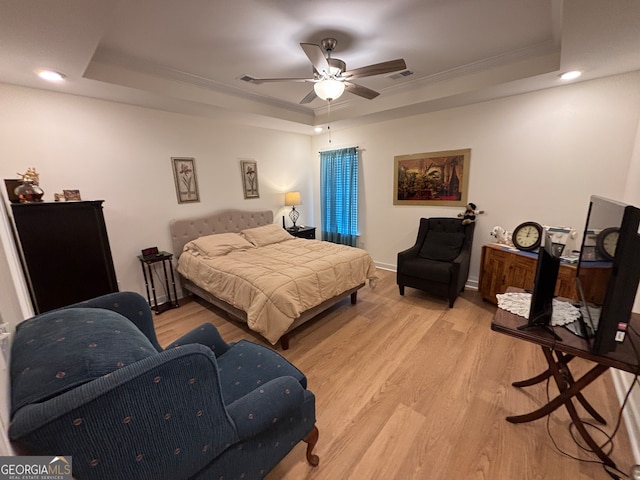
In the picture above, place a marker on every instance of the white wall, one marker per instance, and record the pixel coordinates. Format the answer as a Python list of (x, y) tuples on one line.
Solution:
[(537, 156), (121, 154)]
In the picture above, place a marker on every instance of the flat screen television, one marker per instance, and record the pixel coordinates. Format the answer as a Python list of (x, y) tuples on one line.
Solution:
[(610, 237), (544, 286)]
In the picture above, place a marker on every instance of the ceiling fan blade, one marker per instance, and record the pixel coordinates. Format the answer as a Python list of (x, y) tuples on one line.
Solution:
[(377, 69), (311, 96), (267, 80), (316, 57), (360, 90)]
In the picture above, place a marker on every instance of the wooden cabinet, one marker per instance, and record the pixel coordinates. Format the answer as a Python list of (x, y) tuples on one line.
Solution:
[(65, 252), (501, 267)]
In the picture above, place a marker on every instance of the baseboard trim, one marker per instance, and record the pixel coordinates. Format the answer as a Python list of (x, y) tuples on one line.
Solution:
[(631, 413)]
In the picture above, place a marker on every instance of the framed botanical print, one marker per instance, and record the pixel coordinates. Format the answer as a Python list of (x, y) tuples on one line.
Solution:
[(250, 178), (184, 172)]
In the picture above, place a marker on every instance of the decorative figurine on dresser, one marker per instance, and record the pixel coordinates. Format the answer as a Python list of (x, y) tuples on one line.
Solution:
[(65, 251)]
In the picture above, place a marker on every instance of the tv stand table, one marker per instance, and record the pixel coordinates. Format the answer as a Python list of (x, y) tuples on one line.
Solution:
[(558, 354)]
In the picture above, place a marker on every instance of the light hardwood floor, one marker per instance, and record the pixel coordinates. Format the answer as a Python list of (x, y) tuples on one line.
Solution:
[(407, 388)]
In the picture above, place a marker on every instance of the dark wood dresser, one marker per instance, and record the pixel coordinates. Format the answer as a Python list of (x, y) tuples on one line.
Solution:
[(65, 252)]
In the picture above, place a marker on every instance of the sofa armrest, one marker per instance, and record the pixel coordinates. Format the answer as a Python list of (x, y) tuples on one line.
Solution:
[(161, 417), (408, 253), (206, 334), (462, 257), (270, 403)]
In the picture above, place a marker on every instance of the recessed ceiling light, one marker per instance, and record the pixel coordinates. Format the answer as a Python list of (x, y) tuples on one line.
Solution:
[(50, 75), (572, 75)]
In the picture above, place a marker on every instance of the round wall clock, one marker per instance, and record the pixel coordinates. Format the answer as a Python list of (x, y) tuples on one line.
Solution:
[(527, 236), (607, 241)]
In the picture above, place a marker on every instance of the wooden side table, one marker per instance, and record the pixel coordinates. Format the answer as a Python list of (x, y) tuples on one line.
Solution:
[(303, 232), (502, 267), (149, 261)]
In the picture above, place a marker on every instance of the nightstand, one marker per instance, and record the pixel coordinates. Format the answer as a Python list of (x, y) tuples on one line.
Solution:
[(303, 232), (149, 261)]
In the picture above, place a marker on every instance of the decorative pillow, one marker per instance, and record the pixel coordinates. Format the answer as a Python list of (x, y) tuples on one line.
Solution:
[(217, 244), (442, 246), (266, 235), (57, 351)]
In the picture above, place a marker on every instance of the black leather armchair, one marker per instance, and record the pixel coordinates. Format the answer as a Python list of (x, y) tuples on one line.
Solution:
[(438, 263)]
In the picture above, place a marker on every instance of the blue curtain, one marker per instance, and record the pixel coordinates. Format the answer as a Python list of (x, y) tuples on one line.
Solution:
[(339, 195)]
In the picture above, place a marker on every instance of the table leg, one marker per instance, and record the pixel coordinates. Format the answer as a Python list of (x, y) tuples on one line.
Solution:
[(563, 361), (166, 282), (583, 401), (585, 435), (173, 282), (146, 283), (534, 380), (566, 391), (153, 290)]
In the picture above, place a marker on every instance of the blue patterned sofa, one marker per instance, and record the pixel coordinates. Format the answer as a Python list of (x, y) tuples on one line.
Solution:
[(90, 381)]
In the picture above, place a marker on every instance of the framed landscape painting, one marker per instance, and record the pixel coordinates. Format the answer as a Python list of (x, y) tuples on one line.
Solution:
[(437, 178)]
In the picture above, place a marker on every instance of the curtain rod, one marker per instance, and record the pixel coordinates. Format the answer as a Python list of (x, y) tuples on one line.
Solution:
[(356, 147)]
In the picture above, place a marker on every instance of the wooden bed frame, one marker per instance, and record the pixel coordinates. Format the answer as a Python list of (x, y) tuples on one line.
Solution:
[(233, 221)]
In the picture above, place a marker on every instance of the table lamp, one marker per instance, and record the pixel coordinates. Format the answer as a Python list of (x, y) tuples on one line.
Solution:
[(291, 199)]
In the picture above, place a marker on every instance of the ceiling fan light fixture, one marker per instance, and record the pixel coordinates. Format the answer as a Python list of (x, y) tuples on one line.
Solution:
[(329, 89)]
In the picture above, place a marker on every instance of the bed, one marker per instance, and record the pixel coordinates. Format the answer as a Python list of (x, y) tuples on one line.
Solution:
[(260, 275)]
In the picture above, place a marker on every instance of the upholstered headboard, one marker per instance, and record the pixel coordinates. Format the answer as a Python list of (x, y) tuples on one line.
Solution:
[(187, 229)]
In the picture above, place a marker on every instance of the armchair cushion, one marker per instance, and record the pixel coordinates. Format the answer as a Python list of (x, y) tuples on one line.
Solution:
[(442, 246), (69, 348), (429, 270)]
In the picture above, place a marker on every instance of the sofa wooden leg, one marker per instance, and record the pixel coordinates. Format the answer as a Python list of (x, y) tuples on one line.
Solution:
[(401, 287), (354, 298), (311, 441)]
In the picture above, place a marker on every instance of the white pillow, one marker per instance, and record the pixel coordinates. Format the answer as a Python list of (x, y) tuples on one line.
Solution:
[(217, 244), (266, 235)]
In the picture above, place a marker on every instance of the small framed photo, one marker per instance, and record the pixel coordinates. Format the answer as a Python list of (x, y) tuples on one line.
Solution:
[(588, 253), (250, 178), (11, 184), (70, 195), (184, 172)]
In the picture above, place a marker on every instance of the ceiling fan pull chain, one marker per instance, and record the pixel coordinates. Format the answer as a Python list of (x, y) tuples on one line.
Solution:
[(329, 119)]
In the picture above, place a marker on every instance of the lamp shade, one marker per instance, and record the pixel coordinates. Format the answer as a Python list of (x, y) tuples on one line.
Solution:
[(329, 89), (292, 198)]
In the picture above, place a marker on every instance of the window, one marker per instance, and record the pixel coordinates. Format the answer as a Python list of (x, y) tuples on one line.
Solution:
[(339, 195)]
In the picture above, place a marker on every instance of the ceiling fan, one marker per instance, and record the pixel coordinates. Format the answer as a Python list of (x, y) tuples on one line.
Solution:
[(330, 75)]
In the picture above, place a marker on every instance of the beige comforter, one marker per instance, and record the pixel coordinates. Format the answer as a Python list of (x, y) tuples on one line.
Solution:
[(273, 284)]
